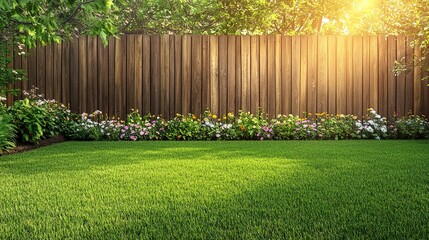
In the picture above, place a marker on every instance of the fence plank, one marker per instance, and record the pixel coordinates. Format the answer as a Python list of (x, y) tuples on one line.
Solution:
[(357, 76), (303, 102), (214, 74), (92, 74), (57, 71), (130, 55), (172, 53), (271, 55), (165, 76), (74, 76), (254, 74), (196, 74), (32, 67), (245, 73), (17, 64), (231, 74), (186, 74), (312, 74), (138, 104), (373, 72), (391, 78), (263, 74), (223, 74), (409, 77), (280, 104), (65, 73), (238, 77), (83, 74), (341, 100), (332, 74), (400, 79), (322, 74), (49, 71), (382, 75), (112, 74), (296, 74), (205, 81), (146, 92), (41, 70), (366, 74), (155, 76), (103, 78), (178, 74), (349, 76)]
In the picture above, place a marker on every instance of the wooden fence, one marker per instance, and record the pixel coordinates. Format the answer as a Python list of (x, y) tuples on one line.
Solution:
[(181, 74)]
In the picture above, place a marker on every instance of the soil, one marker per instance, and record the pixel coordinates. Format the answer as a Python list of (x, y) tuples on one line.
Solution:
[(23, 147)]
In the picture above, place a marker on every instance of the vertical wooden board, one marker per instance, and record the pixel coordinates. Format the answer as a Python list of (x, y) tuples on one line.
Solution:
[(196, 74), (205, 84), (409, 77), (65, 73), (263, 74), (382, 76), (146, 91), (357, 76), (123, 102), (130, 71), (17, 64), (373, 72), (341, 98), (178, 74), (112, 74), (245, 73), (25, 59), (41, 69), (155, 74), (238, 77), (254, 74), (425, 88), (322, 74), (391, 78), (57, 71), (165, 75), (312, 74), (332, 74), (349, 76), (400, 79), (271, 110), (214, 74), (119, 58), (83, 73), (223, 74), (186, 74), (32, 67), (296, 75), (231, 75), (171, 105), (49, 71), (278, 43), (74, 76), (366, 69), (92, 93), (303, 76), (103, 78)]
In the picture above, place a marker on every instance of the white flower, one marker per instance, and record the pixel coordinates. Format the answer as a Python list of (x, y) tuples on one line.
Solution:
[(383, 129), (2, 98), (377, 116), (371, 122), (373, 112), (358, 124), (369, 129)]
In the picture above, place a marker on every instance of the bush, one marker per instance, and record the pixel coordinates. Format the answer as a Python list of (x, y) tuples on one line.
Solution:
[(7, 130), (412, 127)]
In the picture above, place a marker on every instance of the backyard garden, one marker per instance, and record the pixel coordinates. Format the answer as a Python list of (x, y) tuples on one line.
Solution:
[(166, 135)]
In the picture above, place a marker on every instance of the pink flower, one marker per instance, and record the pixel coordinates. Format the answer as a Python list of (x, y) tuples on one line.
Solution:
[(132, 131), (262, 138), (141, 133), (126, 127), (268, 135)]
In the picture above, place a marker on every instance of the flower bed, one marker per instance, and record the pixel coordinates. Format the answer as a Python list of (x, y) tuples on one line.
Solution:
[(36, 118)]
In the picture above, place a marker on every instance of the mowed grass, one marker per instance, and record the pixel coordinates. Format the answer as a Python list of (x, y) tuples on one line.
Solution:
[(212, 190)]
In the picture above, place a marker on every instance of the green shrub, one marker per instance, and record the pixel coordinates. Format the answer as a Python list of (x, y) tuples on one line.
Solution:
[(184, 128), (412, 127), (7, 130)]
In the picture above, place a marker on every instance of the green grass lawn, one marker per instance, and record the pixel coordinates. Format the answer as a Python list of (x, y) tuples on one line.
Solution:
[(206, 190)]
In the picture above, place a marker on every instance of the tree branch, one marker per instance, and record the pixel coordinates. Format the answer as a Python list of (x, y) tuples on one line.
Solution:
[(76, 10)]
